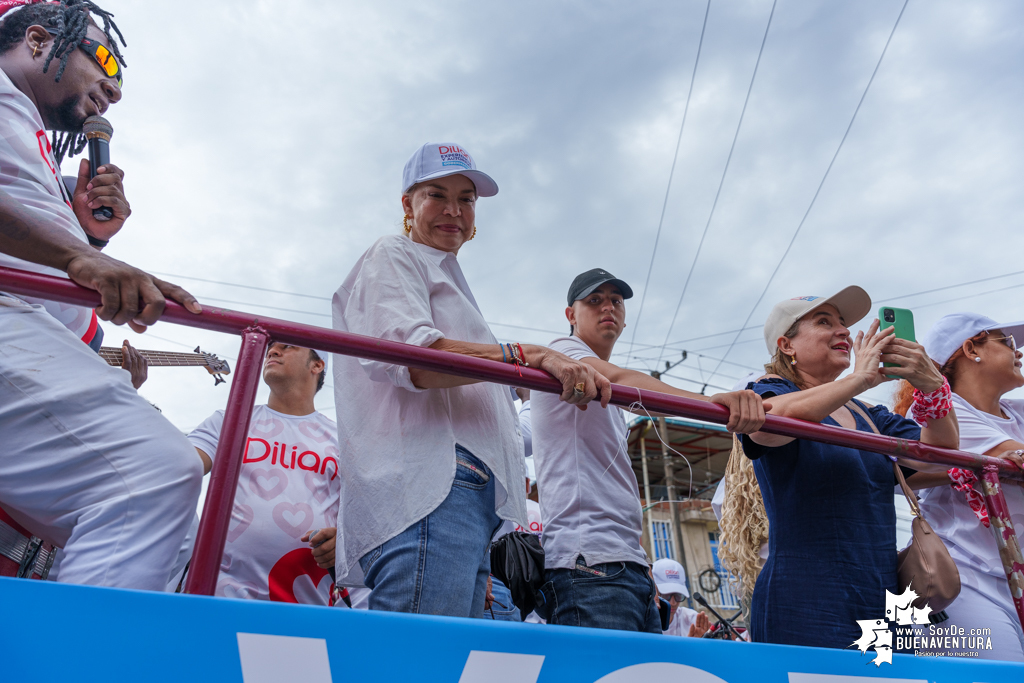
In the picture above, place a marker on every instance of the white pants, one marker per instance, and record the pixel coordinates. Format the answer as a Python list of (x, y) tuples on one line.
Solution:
[(87, 463), (985, 602)]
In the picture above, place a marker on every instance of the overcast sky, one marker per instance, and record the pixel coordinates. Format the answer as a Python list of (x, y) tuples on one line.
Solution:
[(263, 144)]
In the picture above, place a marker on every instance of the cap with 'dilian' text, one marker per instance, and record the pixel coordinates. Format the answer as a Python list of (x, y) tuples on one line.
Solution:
[(441, 159)]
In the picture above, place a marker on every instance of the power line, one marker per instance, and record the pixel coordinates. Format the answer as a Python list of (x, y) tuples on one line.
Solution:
[(822, 183), (675, 157), (232, 284), (962, 284), (725, 171), (970, 296)]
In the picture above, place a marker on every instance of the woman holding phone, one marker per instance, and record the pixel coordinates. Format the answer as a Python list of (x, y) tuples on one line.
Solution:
[(979, 358), (831, 515)]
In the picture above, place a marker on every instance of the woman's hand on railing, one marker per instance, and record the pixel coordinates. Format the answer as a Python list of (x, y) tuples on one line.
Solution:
[(746, 410), (580, 383), (128, 294)]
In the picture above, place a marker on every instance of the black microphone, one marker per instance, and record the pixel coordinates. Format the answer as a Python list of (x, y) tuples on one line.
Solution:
[(721, 620), (98, 132)]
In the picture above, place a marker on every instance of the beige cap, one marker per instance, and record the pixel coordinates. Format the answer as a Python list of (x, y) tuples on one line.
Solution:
[(853, 303)]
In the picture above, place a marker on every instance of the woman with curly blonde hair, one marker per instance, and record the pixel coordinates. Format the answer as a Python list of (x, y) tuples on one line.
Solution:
[(744, 524)]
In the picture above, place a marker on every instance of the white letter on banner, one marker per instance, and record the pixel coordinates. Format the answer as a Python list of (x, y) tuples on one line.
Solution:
[(283, 659), (500, 667), (654, 671), (834, 678)]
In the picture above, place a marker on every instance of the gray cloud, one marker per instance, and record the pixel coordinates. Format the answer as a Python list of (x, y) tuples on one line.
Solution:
[(264, 141)]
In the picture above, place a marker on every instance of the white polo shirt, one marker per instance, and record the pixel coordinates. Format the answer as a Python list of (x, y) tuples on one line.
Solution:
[(398, 441), (29, 173), (589, 497), (969, 543)]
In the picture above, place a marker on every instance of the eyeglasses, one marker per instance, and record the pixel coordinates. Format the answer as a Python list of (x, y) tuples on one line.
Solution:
[(102, 55), (1008, 340)]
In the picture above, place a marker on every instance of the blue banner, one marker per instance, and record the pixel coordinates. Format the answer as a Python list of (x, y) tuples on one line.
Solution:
[(59, 632)]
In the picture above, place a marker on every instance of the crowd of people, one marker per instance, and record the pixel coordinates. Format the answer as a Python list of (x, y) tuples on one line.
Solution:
[(396, 505)]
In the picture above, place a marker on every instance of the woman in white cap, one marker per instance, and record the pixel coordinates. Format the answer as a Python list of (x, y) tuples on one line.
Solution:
[(683, 621), (430, 463), (830, 509), (980, 359)]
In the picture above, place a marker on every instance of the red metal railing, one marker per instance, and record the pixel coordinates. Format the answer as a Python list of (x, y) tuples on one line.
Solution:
[(258, 331)]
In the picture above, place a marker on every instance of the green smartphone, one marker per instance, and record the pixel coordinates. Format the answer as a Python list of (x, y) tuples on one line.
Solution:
[(900, 318)]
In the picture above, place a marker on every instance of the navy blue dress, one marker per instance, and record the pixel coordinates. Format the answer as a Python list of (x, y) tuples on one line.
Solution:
[(831, 536)]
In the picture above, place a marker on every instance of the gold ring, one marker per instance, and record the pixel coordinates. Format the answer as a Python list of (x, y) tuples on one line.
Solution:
[(580, 388)]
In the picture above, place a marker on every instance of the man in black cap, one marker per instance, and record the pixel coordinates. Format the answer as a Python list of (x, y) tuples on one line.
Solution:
[(596, 571)]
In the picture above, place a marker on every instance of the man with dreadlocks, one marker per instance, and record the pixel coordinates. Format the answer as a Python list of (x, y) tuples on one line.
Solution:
[(87, 463)]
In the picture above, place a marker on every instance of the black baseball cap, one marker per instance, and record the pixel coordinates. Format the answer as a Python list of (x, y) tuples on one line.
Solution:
[(587, 282)]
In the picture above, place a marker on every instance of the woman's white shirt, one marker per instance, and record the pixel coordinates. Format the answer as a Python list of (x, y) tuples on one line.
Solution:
[(947, 510), (397, 441)]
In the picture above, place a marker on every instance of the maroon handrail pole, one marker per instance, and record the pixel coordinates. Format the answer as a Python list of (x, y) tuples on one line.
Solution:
[(220, 495), (235, 322), (1006, 537)]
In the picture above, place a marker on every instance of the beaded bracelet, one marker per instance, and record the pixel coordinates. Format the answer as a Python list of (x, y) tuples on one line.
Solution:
[(932, 406)]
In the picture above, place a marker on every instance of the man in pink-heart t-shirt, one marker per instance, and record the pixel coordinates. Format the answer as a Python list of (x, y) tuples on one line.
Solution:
[(288, 487)]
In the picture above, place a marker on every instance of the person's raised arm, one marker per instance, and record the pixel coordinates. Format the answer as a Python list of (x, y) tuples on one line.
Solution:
[(128, 295), (746, 409)]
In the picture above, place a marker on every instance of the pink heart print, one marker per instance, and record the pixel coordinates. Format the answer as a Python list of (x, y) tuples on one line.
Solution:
[(287, 517), (256, 485), (314, 431), (243, 515), (267, 428), (318, 486), (236, 589)]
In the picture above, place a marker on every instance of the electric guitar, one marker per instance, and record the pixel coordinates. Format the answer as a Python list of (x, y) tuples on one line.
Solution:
[(215, 366)]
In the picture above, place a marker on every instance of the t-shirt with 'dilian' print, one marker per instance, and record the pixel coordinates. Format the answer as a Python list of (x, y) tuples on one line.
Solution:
[(288, 485)]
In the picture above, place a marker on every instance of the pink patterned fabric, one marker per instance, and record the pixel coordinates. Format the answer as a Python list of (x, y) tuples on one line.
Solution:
[(963, 481), (932, 406), (7, 5)]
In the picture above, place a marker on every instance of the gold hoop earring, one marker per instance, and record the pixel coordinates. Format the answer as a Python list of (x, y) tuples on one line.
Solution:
[(35, 50), (473, 235), (405, 224)]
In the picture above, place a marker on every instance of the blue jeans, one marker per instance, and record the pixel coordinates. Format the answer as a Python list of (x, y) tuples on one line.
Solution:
[(503, 608), (440, 564), (616, 595)]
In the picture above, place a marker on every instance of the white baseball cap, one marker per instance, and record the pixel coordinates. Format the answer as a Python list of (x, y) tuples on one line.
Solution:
[(669, 577), (951, 331), (440, 159), (853, 303)]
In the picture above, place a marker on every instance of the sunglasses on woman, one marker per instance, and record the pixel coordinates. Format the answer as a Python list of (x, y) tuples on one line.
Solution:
[(1008, 340), (102, 55)]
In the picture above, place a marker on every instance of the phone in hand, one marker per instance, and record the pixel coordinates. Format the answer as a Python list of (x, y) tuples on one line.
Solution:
[(900, 318)]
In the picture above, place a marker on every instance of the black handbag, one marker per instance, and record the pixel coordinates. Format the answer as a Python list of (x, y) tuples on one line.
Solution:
[(517, 560)]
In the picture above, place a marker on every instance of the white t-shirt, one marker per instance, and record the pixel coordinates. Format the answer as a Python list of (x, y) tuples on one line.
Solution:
[(288, 485), (681, 622), (525, 428), (399, 441), (589, 498), (947, 511), (29, 173)]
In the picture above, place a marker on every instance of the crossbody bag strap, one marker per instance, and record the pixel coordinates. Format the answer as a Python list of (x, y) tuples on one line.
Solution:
[(907, 491)]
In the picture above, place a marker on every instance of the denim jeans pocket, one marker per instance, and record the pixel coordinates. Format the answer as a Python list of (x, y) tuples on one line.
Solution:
[(599, 572), (470, 472), (367, 560)]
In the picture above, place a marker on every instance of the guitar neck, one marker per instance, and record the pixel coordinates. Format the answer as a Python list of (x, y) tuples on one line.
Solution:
[(156, 358)]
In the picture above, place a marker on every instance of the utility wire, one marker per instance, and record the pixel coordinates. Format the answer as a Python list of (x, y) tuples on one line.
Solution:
[(675, 157), (725, 172), (800, 226)]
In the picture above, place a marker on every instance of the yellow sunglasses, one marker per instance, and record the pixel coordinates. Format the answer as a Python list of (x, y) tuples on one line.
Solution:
[(103, 57)]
